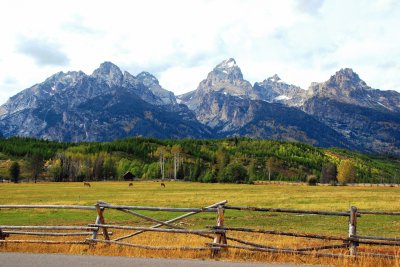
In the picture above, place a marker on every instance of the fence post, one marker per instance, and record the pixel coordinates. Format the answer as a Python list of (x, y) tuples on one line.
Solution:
[(3, 235), (220, 238), (100, 212), (100, 220), (353, 230)]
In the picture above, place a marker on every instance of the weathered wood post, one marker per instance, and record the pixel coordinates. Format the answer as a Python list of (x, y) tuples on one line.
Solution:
[(353, 230), (100, 212), (3, 237), (100, 220), (220, 238)]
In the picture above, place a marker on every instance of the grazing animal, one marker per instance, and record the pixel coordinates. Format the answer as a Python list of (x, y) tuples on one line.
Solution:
[(162, 185), (130, 184), (86, 184)]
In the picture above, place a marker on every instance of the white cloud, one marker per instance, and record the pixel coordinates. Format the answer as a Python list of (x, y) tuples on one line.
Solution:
[(44, 52), (181, 41)]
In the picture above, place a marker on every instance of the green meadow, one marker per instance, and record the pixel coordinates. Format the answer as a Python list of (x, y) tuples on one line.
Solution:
[(196, 195)]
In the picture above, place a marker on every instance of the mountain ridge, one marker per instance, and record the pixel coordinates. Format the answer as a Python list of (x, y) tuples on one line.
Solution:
[(108, 104)]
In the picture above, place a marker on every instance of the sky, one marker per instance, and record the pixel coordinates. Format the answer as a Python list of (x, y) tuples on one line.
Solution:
[(180, 41)]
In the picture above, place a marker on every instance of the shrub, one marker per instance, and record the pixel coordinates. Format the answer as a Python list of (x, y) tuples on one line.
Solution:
[(312, 180), (234, 173)]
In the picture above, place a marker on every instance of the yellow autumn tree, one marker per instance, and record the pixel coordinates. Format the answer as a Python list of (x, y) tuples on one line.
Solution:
[(346, 172)]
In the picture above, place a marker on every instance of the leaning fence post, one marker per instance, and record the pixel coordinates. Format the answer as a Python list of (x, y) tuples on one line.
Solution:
[(100, 212), (353, 230), (95, 232), (100, 220), (220, 238)]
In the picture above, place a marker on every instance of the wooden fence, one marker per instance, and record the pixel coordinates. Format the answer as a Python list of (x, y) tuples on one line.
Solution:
[(218, 234)]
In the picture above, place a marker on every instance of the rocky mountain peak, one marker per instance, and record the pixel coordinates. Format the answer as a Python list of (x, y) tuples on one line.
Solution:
[(346, 78), (227, 70), (274, 89), (68, 77), (109, 73), (274, 78), (147, 78), (227, 64)]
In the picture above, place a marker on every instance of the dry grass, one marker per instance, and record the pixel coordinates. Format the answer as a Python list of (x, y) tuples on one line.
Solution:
[(198, 195), (162, 239)]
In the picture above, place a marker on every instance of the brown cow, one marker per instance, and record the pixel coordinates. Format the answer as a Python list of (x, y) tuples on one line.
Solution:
[(130, 184), (162, 185), (86, 184)]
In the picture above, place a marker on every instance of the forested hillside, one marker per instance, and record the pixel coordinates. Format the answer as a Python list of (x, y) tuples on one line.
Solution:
[(234, 160)]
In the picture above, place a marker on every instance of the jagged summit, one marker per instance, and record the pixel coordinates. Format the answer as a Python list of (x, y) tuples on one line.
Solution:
[(274, 89), (65, 77), (341, 84), (106, 105), (227, 64), (72, 106), (227, 70), (150, 81), (147, 77), (346, 78), (110, 73), (349, 72), (274, 78)]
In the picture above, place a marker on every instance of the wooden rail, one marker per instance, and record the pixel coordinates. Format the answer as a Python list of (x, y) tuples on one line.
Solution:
[(315, 212), (49, 233), (47, 207), (149, 229), (157, 208), (30, 227)]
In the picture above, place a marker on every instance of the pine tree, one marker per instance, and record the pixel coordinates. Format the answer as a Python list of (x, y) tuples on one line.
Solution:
[(36, 165), (14, 171)]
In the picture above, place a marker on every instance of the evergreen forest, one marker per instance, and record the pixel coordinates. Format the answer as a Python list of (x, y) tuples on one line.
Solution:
[(232, 160)]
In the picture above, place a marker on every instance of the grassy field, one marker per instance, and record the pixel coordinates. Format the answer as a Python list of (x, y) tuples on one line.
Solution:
[(181, 194)]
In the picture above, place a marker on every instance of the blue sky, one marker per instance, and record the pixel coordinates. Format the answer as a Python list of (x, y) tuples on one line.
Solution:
[(180, 41)]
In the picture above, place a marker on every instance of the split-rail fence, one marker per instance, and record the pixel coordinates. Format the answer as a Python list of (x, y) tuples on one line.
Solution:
[(219, 234)]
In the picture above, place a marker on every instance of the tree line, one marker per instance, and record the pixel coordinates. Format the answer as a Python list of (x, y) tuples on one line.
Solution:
[(231, 160)]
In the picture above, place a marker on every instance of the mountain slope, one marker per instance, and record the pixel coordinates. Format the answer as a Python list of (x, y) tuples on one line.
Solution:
[(345, 86), (369, 129), (274, 89), (369, 118), (228, 104), (108, 104), (103, 106), (226, 78)]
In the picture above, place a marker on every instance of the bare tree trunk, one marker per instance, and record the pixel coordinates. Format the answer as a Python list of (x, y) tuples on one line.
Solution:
[(176, 164), (162, 165)]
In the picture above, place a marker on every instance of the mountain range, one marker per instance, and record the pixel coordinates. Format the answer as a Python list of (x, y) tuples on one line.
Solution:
[(109, 104)]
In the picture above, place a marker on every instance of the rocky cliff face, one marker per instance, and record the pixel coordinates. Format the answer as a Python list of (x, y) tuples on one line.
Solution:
[(274, 89), (366, 128), (108, 104), (225, 78), (229, 105), (104, 106), (151, 82), (369, 118), (347, 87)]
